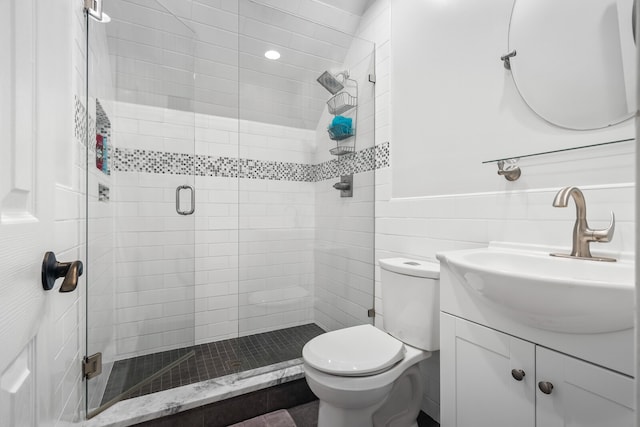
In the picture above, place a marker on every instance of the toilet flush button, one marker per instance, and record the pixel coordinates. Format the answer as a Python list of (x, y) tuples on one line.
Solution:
[(411, 267)]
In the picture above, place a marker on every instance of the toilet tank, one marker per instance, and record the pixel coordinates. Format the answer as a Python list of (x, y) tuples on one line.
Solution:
[(411, 301)]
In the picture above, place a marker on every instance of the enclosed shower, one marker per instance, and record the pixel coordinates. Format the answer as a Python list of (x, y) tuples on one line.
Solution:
[(217, 244)]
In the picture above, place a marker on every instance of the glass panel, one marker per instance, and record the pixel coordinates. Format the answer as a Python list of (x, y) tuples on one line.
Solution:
[(305, 252), (217, 144), (141, 231), (344, 223), (272, 255)]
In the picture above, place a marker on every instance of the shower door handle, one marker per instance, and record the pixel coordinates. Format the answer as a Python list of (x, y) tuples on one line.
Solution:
[(193, 199)]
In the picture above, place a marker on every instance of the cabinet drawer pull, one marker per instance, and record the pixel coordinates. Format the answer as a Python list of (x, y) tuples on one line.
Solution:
[(545, 386), (517, 374)]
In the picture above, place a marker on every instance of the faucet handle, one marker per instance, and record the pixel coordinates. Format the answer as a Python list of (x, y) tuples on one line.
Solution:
[(606, 234)]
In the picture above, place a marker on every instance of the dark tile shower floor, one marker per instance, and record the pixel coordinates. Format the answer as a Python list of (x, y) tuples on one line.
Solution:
[(211, 360)]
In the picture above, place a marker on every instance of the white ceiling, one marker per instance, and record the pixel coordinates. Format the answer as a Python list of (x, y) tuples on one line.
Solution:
[(158, 45)]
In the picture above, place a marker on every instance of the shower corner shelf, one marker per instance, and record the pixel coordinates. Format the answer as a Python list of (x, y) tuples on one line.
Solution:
[(342, 151), (341, 103), (338, 104)]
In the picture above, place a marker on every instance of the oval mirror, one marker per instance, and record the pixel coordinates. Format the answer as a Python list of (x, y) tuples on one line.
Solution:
[(574, 62)]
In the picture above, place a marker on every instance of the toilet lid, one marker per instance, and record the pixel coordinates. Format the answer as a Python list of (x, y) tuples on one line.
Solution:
[(356, 351)]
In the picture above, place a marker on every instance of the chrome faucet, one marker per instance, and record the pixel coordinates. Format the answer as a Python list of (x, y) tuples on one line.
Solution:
[(582, 234)]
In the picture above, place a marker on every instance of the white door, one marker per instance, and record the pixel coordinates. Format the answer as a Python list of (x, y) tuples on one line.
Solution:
[(487, 377), (579, 394), (31, 135)]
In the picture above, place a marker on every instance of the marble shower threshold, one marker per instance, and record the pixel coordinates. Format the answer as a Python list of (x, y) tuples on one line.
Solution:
[(168, 402)]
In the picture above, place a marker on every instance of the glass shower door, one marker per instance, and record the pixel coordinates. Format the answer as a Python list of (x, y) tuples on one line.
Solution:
[(141, 202)]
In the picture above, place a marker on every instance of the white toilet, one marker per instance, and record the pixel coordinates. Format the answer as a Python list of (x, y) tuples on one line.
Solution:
[(366, 377)]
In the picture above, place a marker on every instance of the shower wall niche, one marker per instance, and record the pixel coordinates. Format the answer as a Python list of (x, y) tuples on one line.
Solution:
[(103, 141)]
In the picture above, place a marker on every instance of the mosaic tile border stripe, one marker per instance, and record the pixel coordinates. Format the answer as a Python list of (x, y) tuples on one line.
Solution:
[(161, 162), (382, 156)]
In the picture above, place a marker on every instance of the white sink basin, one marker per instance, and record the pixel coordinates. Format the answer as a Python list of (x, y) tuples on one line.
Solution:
[(545, 292)]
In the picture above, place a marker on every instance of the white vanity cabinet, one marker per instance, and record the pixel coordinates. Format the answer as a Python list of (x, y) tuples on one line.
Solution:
[(490, 378), (477, 388), (583, 395)]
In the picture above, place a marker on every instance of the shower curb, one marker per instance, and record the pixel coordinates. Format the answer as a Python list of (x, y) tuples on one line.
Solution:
[(244, 395)]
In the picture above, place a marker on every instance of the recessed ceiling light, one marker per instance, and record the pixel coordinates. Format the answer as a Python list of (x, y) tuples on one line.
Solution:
[(272, 54)]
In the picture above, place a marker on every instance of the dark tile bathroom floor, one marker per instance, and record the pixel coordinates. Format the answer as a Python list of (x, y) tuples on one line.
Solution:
[(211, 360)]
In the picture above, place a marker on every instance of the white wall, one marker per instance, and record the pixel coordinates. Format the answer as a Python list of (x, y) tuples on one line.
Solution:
[(253, 253), (457, 94), (276, 254), (344, 253), (462, 216)]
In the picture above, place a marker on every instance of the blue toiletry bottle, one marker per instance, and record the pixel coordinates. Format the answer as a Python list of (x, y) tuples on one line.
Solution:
[(105, 156)]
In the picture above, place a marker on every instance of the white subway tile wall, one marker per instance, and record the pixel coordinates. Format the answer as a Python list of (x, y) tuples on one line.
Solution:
[(100, 248), (344, 234), (250, 241), (276, 254), (344, 253), (155, 259), (100, 261)]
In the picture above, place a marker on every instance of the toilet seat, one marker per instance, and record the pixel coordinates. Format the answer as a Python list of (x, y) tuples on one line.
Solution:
[(357, 351)]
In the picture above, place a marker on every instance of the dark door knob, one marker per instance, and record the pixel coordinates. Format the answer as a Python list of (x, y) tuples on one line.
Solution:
[(52, 270)]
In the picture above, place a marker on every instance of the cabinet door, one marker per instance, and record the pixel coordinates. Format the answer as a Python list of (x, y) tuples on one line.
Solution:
[(478, 387), (583, 395)]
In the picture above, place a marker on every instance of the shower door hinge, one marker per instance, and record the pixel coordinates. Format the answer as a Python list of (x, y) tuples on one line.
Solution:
[(94, 8), (371, 312), (92, 366), (92, 5), (372, 78)]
